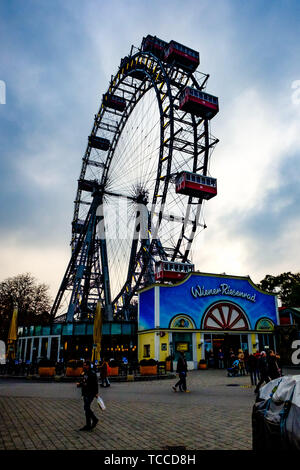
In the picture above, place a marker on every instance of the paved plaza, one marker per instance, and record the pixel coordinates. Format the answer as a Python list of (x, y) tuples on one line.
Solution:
[(148, 415)]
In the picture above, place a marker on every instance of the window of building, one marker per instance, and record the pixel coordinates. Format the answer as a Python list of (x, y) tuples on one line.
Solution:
[(67, 329), (207, 344), (244, 342), (79, 329), (46, 330), (20, 330), (56, 329), (38, 330), (116, 328), (90, 329), (106, 329), (146, 350), (126, 329), (44, 347)]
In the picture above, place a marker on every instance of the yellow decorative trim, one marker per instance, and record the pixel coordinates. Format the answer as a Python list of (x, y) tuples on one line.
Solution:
[(228, 276), (184, 317), (196, 330)]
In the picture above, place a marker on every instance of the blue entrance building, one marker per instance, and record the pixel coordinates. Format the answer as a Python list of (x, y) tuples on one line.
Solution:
[(202, 314)]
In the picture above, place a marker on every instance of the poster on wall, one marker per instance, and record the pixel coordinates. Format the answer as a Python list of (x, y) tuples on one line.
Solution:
[(182, 347)]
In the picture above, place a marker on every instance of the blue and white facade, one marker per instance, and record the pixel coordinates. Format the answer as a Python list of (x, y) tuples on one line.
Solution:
[(203, 313)]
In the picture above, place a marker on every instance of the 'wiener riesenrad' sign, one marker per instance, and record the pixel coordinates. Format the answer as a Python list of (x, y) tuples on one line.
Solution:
[(223, 289)]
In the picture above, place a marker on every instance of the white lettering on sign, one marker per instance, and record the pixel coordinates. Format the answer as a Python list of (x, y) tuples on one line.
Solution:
[(296, 354), (223, 289)]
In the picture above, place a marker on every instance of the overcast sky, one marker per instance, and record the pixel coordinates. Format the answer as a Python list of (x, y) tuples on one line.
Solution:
[(56, 61)]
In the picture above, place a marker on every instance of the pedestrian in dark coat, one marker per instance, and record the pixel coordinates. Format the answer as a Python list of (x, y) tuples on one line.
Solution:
[(89, 388), (246, 361), (263, 371), (253, 368), (221, 359), (182, 372), (273, 367)]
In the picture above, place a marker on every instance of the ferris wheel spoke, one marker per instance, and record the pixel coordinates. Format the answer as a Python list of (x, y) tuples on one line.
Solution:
[(139, 119)]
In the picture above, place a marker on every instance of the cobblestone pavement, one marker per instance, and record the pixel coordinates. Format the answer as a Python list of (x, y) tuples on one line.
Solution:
[(139, 415)]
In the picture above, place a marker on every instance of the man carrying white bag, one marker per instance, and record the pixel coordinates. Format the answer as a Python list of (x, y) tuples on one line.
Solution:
[(89, 388), (101, 403)]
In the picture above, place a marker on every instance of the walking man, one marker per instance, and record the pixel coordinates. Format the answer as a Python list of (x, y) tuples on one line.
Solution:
[(252, 367), (89, 388), (263, 371), (182, 371)]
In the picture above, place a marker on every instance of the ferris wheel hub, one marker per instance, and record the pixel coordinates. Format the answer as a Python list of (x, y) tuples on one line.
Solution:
[(142, 196)]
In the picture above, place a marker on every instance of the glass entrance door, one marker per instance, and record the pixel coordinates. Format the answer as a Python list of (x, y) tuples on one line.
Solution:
[(183, 342), (266, 341), (228, 343)]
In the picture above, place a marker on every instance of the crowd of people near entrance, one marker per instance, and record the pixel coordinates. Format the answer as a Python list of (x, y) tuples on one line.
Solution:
[(261, 366)]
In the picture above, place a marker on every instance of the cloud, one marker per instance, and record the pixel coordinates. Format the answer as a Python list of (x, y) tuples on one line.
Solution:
[(46, 263), (251, 220), (58, 59)]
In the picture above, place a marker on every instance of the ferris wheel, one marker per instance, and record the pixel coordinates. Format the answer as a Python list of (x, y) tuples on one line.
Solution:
[(143, 181)]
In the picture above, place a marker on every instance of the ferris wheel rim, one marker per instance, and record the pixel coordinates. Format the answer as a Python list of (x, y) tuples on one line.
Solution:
[(166, 180)]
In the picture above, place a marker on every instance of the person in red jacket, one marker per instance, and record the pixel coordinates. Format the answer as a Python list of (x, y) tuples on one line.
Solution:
[(104, 373)]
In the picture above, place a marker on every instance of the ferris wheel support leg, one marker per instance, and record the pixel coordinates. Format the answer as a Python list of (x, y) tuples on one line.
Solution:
[(207, 147), (70, 313), (147, 263), (106, 284)]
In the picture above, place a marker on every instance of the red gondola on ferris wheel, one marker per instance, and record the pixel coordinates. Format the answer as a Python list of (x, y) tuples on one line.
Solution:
[(193, 184), (172, 271), (199, 103)]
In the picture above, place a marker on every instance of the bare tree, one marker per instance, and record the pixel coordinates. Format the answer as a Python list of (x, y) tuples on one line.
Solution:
[(33, 301)]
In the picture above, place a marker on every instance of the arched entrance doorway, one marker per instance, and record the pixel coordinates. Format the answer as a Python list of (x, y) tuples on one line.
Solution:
[(182, 327), (225, 323)]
